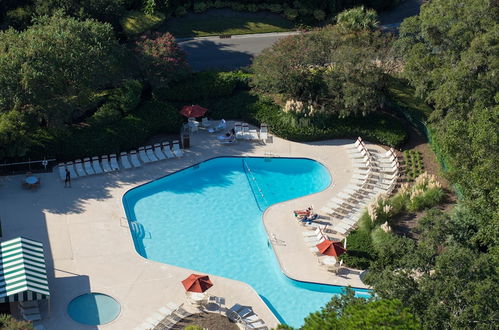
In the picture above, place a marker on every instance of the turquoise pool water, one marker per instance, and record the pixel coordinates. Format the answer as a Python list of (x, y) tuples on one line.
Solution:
[(208, 218), (94, 309)]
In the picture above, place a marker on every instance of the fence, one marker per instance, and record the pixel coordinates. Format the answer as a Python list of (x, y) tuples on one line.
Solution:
[(42, 165), (418, 122)]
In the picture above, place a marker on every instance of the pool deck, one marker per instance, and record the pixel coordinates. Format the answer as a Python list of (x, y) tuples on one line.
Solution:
[(88, 246)]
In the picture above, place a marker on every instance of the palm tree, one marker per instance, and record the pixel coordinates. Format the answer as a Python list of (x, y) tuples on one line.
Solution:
[(357, 19)]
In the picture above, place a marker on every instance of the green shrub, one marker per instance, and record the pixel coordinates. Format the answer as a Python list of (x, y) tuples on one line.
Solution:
[(180, 11), (291, 13), (275, 8), (193, 327), (220, 4), (107, 114), (426, 200), (137, 22), (203, 85), (237, 6), (319, 15), (200, 7), (359, 250), (9, 323), (127, 97), (19, 18), (252, 7), (365, 223)]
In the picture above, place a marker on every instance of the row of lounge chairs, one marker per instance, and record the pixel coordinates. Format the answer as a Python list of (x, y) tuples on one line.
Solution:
[(245, 133), (165, 318), (110, 163), (373, 174), (246, 317)]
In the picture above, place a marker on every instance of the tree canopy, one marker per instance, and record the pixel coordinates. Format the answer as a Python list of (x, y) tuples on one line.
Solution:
[(336, 73), (357, 19), (54, 69)]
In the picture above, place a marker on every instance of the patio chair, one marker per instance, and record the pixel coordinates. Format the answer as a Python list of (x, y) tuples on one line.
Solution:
[(253, 134), (150, 154), (79, 168), (134, 159), (62, 171), (71, 169), (125, 162), (158, 152), (311, 233), (230, 140), (105, 164), (356, 144), (143, 156), (88, 166), (176, 149), (237, 312), (246, 132), (96, 165), (114, 162), (205, 123), (167, 149)]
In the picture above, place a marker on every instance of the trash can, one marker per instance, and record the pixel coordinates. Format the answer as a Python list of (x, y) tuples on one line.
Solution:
[(186, 140)]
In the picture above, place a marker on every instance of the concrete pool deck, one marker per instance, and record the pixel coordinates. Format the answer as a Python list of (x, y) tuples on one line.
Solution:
[(88, 246)]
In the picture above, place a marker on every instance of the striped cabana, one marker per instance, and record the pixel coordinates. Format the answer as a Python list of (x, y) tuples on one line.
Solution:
[(22, 271)]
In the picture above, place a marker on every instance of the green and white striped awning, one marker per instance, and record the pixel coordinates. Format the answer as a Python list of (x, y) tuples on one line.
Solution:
[(22, 271)]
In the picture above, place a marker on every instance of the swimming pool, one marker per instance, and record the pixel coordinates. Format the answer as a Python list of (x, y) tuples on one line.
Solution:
[(208, 218)]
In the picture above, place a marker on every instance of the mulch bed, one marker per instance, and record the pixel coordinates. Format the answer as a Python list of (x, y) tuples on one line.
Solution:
[(210, 321)]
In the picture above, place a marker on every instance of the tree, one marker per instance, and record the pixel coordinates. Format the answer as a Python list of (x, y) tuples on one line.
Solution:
[(348, 312), (326, 70), (10, 323), (161, 59), (54, 69), (357, 19)]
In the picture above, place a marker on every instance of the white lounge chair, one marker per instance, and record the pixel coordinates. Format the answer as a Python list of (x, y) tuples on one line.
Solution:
[(238, 130), (143, 156), (356, 144), (62, 171), (253, 134), (96, 165), (88, 166), (221, 126), (71, 169), (105, 164), (176, 149), (134, 159), (311, 233), (229, 140), (167, 149), (246, 132), (158, 152), (79, 168), (125, 162), (264, 133), (150, 154), (114, 162)]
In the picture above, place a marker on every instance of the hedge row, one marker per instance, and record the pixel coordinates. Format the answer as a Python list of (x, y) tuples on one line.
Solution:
[(203, 85), (112, 135)]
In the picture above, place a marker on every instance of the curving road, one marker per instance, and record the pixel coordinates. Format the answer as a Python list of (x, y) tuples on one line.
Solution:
[(212, 52)]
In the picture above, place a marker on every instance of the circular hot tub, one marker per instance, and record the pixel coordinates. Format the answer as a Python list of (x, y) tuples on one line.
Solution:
[(94, 308)]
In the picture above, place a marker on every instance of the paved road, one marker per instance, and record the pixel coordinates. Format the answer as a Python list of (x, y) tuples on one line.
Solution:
[(238, 51)]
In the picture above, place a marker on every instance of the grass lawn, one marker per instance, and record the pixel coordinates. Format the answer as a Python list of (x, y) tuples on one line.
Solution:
[(196, 25), (136, 22)]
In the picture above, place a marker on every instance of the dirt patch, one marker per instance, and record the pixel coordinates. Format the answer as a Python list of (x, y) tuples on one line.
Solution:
[(404, 224), (209, 321)]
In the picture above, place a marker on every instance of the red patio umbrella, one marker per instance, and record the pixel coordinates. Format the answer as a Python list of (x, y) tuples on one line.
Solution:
[(330, 248), (194, 110), (197, 283)]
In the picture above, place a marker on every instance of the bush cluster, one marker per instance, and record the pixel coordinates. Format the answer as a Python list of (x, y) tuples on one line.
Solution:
[(376, 127), (203, 85)]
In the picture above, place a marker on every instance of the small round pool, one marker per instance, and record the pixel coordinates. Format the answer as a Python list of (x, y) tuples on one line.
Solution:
[(94, 309)]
